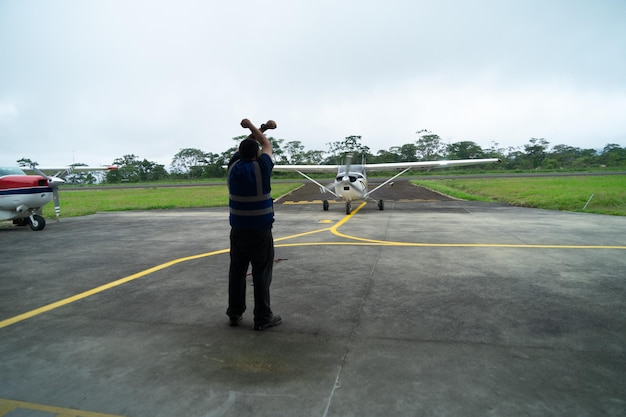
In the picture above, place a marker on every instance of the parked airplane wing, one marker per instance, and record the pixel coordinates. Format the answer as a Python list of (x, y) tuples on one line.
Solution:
[(67, 169), (55, 177)]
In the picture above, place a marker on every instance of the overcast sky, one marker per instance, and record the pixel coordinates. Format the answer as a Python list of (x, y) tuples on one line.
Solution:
[(91, 81)]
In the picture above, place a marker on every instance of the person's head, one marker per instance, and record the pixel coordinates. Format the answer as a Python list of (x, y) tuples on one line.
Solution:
[(248, 149)]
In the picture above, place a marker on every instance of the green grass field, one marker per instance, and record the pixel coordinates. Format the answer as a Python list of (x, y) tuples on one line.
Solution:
[(77, 202), (552, 193)]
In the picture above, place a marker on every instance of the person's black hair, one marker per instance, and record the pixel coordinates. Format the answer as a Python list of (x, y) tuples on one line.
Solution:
[(248, 148)]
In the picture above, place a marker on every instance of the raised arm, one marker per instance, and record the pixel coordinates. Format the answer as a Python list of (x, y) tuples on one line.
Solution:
[(258, 135)]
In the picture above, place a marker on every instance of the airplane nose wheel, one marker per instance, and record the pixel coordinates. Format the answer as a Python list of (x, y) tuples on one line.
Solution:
[(348, 208), (36, 222)]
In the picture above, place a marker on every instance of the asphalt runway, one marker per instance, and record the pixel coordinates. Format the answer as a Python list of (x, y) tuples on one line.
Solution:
[(397, 191), (430, 307)]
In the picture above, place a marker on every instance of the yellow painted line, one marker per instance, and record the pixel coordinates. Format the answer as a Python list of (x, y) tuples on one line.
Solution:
[(102, 288), (309, 202), (352, 240), (336, 232), (293, 245), (473, 245), (294, 203), (7, 406), (348, 217), (312, 232), (366, 242)]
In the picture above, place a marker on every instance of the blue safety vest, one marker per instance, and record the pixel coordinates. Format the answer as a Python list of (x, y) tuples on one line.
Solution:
[(250, 200)]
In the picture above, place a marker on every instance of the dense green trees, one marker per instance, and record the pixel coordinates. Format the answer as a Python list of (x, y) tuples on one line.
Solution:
[(131, 169), (192, 163), (537, 154)]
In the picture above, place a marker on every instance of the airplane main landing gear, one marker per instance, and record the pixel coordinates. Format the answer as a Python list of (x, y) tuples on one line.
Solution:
[(325, 205), (36, 222), (381, 205)]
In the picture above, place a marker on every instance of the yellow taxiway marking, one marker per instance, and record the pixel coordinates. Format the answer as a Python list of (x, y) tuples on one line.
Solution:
[(352, 240), (287, 203), (7, 406), (65, 301), (301, 202)]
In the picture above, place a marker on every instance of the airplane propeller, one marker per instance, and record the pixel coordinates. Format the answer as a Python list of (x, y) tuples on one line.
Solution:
[(54, 181), (346, 178), (348, 162), (345, 181)]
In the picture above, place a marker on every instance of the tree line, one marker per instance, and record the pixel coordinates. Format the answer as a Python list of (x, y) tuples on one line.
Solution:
[(537, 154)]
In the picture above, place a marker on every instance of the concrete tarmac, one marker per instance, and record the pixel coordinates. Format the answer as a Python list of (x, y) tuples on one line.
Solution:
[(428, 308)]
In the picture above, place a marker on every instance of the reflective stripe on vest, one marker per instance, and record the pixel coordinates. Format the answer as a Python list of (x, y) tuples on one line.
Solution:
[(260, 212), (260, 197), (250, 199)]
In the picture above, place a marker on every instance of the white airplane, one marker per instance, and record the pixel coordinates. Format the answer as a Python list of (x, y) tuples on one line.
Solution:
[(351, 180), (22, 196)]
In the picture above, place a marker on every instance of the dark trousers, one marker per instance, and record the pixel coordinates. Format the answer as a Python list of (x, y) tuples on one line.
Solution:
[(254, 247)]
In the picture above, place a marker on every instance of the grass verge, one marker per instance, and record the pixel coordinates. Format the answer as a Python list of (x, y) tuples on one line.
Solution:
[(82, 202), (553, 193)]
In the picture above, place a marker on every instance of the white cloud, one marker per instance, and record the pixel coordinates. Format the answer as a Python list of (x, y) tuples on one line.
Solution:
[(8, 111), (97, 80)]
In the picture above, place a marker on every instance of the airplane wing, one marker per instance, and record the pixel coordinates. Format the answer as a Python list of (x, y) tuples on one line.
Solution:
[(306, 168), (401, 167), (392, 166), (301, 169), (68, 169), (428, 164)]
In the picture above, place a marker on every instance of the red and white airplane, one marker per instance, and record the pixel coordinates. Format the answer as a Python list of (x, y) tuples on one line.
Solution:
[(23, 196)]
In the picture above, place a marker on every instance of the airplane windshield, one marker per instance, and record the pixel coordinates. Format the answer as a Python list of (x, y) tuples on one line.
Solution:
[(353, 169), (353, 172), (11, 171)]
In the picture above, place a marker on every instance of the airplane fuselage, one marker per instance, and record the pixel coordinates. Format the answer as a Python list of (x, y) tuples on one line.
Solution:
[(23, 195), (351, 185)]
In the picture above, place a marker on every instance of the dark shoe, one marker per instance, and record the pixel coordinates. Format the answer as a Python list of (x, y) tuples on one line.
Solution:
[(235, 320), (274, 321)]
